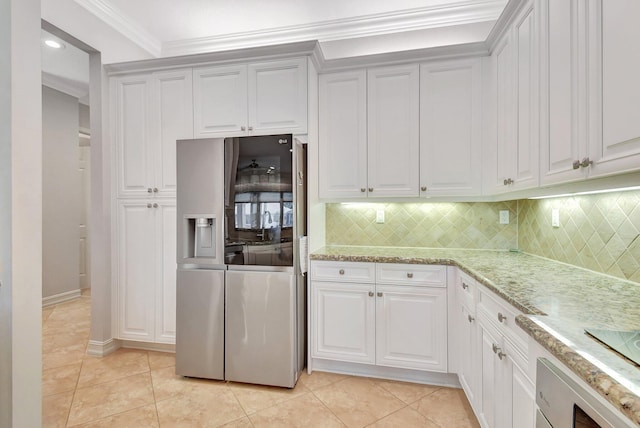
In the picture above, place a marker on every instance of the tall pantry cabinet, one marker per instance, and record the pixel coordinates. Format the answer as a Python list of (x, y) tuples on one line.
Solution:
[(150, 112)]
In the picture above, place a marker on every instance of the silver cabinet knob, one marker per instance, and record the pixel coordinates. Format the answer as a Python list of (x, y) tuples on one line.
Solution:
[(501, 317), (155, 190), (341, 271), (423, 188), (501, 354), (251, 128), (495, 348), (155, 205), (379, 293), (149, 205), (370, 293), (409, 275), (371, 189), (586, 162), (507, 181), (465, 286), (243, 128), (149, 190), (576, 164), (362, 189), (470, 318)]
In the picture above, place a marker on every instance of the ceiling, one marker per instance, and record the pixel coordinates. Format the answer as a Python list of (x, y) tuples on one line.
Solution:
[(65, 69), (125, 30)]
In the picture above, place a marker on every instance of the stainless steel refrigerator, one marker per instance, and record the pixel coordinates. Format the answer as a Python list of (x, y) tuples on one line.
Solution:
[(240, 288)]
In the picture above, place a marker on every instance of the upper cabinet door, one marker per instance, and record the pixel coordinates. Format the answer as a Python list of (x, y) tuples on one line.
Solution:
[(393, 130), (560, 141), (502, 78), (220, 101), (343, 135), (451, 128), (613, 36), (172, 107), (278, 97), (130, 100)]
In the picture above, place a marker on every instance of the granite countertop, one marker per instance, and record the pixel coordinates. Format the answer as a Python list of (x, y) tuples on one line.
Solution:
[(559, 301)]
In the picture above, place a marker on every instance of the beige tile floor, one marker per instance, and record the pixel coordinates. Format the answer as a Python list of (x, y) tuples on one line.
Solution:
[(133, 388)]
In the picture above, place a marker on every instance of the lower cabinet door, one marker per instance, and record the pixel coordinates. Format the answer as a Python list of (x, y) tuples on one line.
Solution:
[(469, 348), (411, 327), (344, 317), (491, 374)]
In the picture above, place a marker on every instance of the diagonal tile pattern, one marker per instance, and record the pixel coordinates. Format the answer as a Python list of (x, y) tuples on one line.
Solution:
[(433, 225), (597, 232), (132, 388)]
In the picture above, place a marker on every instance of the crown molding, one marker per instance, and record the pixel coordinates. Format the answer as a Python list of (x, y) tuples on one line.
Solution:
[(67, 86), (122, 23), (464, 12), (503, 22)]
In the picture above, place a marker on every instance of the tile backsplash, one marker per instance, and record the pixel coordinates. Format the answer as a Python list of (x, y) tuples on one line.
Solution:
[(598, 232), (439, 225)]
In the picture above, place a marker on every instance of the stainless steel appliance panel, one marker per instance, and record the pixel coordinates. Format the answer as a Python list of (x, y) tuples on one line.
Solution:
[(260, 328), (564, 403), (200, 323)]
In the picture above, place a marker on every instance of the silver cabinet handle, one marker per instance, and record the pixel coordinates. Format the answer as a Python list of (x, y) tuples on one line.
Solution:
[(362, 189), (149, 190), (341, 271), (370, 293), (251, 128), (586, 162), (243, 128), (501, 317), (155, 205), (576, 164), (371, 189), (423, 188), (155, 190), (379, 293), (465, 286), (409, 275), (470, 318), (507, 181), (149, 205)]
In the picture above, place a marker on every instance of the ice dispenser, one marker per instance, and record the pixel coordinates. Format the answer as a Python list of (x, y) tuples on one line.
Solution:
[(200, 234)]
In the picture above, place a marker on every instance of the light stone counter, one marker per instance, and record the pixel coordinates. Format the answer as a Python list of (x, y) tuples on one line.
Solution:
[(560, 302)]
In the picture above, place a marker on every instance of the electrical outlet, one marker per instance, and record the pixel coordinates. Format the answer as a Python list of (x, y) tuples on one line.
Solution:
[(380, 216), (504, 216), (555, 217)]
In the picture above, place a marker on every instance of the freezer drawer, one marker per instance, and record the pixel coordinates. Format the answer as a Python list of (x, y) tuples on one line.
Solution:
[(260, 328), (200, 323)]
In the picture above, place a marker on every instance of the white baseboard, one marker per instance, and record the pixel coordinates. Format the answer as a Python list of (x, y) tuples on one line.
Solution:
[(390, 373), (148, 346), (61, 298), (101, 349)]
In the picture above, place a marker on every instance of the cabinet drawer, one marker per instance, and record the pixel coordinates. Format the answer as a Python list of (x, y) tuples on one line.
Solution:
[(343, 271), (503, 316), (408, 274), (466, 289)]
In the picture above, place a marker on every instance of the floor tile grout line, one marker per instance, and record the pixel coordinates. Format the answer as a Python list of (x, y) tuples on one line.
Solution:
[(153, 390), (327, 407)]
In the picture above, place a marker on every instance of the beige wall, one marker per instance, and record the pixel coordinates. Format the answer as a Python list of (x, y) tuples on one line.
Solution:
[(61, 194), (438, 225), (597, 232)]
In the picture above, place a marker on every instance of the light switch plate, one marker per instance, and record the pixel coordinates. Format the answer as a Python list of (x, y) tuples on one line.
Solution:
[(504, 216), (555, 217), (380, 216)]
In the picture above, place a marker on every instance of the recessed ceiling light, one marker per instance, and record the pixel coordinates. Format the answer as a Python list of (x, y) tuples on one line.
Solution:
[(53, 44)]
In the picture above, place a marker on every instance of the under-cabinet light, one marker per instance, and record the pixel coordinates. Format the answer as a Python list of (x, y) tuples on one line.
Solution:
[(589, 192)]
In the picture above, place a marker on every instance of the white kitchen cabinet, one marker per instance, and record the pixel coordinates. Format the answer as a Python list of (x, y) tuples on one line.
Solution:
[(251, 99), (451, 128), (411, 327), (343, 135), (393, 316), (146, 270), (589, 100), (514, 64), (468, 338), (150, 113), (507, 397), (393, 131), (344, 318)]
